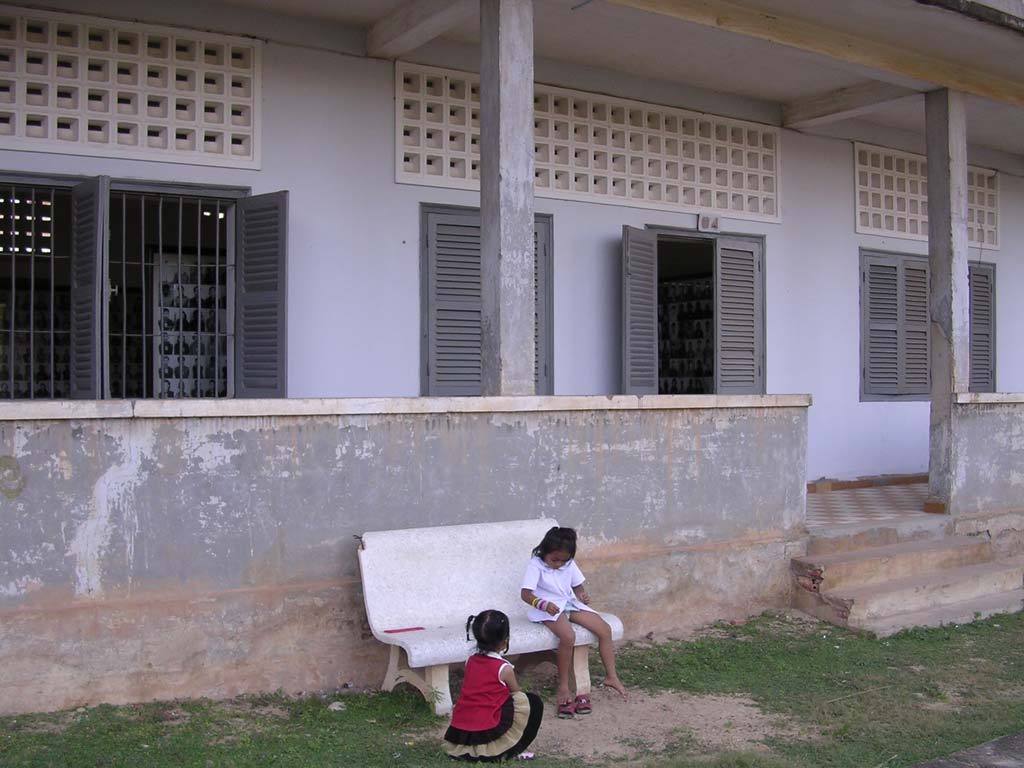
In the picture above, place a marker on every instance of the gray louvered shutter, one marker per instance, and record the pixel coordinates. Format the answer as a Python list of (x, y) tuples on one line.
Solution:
[(454, 306), (454, 311), (739, 328), (261, 295), (89, 244), (639, 311), (982, 279), (542, 378), (880, 339), (915, 364)]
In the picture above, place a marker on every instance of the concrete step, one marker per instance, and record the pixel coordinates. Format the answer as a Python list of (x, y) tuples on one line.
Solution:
[(854, 606), (894, 561), (855, 536), (963, 612)]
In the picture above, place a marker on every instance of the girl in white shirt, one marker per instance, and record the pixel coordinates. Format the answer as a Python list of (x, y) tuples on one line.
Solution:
[(553, 587)]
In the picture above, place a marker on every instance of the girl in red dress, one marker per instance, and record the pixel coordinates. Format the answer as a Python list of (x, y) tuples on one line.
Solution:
[(493, 719)]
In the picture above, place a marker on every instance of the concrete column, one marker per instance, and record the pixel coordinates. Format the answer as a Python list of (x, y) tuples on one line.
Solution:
[(947, 258), (506, 195)]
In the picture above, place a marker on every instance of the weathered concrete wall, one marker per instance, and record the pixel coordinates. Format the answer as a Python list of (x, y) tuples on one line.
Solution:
[(156, 557), (988, 454), (1005, 530)]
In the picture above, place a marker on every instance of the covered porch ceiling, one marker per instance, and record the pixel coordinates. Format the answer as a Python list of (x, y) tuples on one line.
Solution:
[(861, 60)]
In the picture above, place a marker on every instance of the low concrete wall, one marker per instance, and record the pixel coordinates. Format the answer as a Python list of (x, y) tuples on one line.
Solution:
[(163, 549), (988, 454)]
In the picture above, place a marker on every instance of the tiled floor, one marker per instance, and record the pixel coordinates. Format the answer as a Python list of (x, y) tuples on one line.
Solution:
[(866, 505)]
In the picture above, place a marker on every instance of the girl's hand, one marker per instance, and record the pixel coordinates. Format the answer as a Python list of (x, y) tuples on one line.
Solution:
[(583, 596), (552, 609)]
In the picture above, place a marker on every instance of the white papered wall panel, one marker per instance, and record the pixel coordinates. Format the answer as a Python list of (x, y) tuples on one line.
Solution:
[(87, 85), (592, 147), (892, 197)]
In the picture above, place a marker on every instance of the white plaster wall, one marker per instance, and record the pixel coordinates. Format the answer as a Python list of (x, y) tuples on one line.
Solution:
[(354, 248)]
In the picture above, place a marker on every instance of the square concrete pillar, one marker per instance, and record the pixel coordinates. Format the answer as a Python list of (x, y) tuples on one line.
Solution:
[(948, 292), (506, 196)]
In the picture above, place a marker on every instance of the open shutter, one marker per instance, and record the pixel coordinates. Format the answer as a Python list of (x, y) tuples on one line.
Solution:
[(739, 330), (982, 327), (914, 334), (261, 296), (639, 311), (880, 282), (542, 373), (454, 310), (89, 243)]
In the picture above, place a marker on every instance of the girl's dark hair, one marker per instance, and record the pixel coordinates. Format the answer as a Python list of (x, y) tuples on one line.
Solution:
[(490, 630), (557, 540)]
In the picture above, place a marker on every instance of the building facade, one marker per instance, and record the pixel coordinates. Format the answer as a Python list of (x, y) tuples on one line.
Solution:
[(213, 207)]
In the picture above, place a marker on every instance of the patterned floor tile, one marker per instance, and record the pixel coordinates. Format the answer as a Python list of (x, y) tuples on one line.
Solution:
[(866, 505)]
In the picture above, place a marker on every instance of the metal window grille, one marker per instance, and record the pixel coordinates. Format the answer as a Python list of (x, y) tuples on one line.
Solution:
[(171, 273), (35, 292)]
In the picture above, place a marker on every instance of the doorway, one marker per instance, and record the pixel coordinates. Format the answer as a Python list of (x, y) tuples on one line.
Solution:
[(686, 316), (692, 313)]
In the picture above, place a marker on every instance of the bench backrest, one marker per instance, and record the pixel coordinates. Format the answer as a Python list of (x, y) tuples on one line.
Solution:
[(432, 577)]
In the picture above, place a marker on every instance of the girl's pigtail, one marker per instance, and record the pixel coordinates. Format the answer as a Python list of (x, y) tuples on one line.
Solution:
[(469, 624)]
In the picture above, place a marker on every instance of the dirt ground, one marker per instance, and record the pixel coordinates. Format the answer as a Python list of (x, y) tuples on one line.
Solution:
[(650, 723)]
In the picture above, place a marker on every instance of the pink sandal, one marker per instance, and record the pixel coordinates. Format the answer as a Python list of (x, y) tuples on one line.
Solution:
[(567, 711), (582, 705)]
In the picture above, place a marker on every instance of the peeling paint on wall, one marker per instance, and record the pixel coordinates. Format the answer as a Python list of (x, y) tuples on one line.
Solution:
[(111, 494), (212, 556), (988, 458), (12, 481)]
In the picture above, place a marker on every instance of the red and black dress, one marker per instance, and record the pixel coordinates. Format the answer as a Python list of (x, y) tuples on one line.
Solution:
[(490, 723)]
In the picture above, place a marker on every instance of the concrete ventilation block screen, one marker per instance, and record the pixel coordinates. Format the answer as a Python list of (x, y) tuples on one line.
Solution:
[(592, 147), (892, 197), (83, 85)]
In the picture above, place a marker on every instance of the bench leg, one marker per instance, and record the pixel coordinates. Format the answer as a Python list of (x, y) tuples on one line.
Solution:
[(433, 687), (580, 674), (393, 676), (440, 694)]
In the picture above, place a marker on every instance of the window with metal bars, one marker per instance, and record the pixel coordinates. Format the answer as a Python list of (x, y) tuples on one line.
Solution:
[(132, 292), (35, 281), (171, 271)]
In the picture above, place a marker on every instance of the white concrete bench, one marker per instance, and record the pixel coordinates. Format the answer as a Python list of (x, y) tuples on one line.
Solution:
[(420, 584)]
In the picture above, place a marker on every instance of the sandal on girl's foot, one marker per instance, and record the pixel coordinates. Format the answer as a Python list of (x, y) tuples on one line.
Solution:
[(583, 705), (525, 756), (567, 711)]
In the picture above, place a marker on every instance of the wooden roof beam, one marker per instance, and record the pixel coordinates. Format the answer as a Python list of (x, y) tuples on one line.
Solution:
[(842, 104), (416, 23), (836, 44)]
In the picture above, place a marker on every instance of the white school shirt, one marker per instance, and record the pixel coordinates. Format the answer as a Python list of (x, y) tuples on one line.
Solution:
[(554, 585)]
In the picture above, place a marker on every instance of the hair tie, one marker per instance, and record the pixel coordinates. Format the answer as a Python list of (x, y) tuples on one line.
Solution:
[(469, 623)]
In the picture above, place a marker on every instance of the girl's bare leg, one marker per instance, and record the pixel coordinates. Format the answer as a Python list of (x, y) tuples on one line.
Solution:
[(566, 639), (600, 627)]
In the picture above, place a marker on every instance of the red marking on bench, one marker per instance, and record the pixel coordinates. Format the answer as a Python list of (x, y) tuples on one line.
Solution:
[(403, 629)]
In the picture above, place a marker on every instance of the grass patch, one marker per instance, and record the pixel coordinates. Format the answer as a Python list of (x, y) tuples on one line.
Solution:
[(275, 730), (919, 695)]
